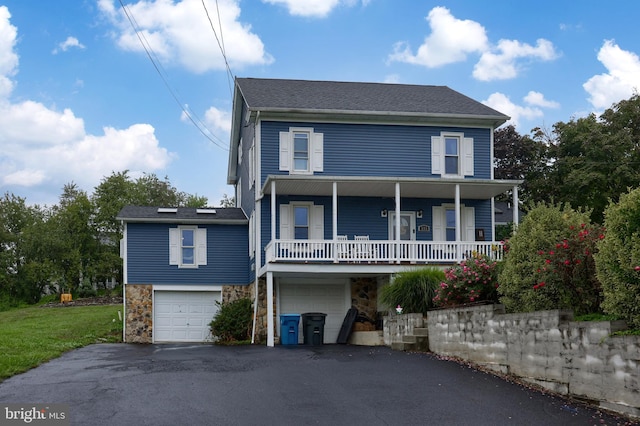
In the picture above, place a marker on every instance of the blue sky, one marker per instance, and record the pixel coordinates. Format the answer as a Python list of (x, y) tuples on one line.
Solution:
[(80, 98)]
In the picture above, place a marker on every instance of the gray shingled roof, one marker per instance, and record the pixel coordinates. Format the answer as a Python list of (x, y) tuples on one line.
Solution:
[(182, 215), (285, 95)]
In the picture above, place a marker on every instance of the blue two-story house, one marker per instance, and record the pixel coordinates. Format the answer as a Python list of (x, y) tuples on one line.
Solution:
[(344, 184)]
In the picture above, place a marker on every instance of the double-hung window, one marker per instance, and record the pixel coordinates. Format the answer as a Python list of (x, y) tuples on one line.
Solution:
[(301, 222), (187, 246), (451, 155), (301, 151), (450, 224)]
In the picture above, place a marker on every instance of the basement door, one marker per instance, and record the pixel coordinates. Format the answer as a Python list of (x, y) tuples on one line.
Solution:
[(301, 297), (183, 316)]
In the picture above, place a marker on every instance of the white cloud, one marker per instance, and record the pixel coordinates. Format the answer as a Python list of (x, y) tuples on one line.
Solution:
[(314, 8), (502, 103), (218, 119), (8, 58), (537, 99), (502, 64), (180, 33), (622, 78), (43, 147), (453, 40), (67, 44)]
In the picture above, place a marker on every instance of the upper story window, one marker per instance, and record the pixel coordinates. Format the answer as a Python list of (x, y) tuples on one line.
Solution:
[(301, 151), (187, 246), (452, 155)]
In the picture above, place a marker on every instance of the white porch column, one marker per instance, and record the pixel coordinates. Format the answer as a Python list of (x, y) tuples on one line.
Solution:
[(516, 210), (273, 211), (397, 224), (458, 214), (270, 328), (334, 214)]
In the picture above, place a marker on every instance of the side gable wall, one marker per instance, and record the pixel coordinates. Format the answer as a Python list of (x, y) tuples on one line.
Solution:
[(148, 256)]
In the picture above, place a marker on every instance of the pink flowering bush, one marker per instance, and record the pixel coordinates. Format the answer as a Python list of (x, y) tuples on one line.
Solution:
[(550, 265), (473, 280)]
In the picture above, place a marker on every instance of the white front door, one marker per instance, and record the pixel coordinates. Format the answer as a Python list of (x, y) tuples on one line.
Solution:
[(407, 226)]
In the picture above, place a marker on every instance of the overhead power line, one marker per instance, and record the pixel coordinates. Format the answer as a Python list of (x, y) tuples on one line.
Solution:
[(192, 116), (220, 41)]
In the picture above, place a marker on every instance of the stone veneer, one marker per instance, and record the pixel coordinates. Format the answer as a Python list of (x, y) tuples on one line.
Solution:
[(364, 296), (138, 313)]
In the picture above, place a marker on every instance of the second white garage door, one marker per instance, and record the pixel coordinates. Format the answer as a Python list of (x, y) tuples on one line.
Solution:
[(328, 298), (183, 316)]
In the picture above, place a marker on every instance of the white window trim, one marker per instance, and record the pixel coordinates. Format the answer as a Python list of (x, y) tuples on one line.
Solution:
[(467, 219), (287, 220), (465, 155), (316, 151), (200, 248)]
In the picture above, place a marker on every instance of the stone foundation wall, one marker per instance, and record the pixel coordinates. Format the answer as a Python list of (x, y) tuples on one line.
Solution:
[(364, 296), (138, 313), (547, 348)]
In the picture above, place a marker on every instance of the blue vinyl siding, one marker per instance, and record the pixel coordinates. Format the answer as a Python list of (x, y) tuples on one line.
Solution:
[(148, 256), (374, 150)]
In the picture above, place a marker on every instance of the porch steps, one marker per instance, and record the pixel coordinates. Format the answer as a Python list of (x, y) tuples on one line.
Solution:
[(418, 341)]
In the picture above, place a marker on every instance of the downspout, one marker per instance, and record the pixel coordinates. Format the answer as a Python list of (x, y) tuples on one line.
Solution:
[(125, 278)]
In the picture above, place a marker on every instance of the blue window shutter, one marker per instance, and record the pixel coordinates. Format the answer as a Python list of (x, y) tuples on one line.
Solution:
[(201, 246), (437, 155), (317, 156), (174, 246), (286, 232), (285, 151), (438, 223), (467, 157)]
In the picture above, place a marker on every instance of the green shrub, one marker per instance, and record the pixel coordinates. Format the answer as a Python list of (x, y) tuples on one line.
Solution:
[(473, 280), (233, 321), (618, 259), (549, 262), (413, 290)]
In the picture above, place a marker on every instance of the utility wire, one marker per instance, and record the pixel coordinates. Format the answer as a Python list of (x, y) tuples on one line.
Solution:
[(230, 76), (202, 128)]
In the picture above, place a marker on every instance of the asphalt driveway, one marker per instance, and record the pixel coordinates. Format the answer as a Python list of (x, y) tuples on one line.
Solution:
[(119, 384)]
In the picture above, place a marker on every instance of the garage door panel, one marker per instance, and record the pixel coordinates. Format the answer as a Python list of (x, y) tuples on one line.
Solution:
[(183, 316), (330, 299)]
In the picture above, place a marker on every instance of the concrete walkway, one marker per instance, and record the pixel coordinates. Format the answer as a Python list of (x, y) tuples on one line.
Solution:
[(119, 384)]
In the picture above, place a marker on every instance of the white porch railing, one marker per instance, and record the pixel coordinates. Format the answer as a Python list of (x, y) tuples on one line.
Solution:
[(373, 251)]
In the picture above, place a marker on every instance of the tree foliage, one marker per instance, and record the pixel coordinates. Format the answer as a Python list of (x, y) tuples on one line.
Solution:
[(549, 262), (618, 259), (73, 245)]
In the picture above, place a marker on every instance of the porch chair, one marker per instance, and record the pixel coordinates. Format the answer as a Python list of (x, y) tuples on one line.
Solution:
[(362, 249), (342, 248)]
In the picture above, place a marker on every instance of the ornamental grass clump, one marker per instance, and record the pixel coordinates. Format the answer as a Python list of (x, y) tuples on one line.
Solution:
[(473, 280), (412, 290)]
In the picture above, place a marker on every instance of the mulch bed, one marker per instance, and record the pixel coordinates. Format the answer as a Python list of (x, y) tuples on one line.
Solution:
[(89, 301)]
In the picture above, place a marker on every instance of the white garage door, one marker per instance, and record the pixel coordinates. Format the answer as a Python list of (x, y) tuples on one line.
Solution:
[(183, 316), (331, 299)]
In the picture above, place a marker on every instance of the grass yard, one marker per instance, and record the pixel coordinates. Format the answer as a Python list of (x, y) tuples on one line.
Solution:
[(34, 335)]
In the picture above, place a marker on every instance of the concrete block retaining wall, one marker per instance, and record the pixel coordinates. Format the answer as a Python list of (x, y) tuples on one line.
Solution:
[(547, 348), (396, 326)]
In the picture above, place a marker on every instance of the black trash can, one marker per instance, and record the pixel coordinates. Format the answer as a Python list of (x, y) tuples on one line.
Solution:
[(313, 328)]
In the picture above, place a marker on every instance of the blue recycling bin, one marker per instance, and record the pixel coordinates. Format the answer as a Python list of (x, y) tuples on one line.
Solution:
[(289, 329)]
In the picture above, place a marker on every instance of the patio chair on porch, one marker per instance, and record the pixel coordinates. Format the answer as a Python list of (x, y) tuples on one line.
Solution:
[(342, 248), (362, 250)]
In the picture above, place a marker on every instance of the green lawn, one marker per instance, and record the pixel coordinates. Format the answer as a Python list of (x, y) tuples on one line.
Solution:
[(34, 335)]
